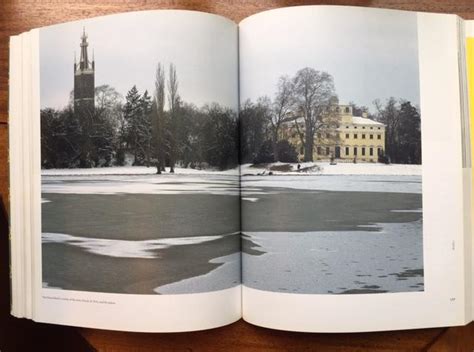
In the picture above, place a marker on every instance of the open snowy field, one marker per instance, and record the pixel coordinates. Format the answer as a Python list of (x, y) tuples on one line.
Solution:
[(132, 170), (316, 168)]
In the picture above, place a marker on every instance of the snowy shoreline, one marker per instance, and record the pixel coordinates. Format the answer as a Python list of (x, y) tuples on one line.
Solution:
[(320, 168)]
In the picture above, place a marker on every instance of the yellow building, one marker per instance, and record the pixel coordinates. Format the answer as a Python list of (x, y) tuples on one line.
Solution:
[(342, 136)]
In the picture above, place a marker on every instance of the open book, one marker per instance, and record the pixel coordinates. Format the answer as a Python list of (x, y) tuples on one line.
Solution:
[(307, 169)]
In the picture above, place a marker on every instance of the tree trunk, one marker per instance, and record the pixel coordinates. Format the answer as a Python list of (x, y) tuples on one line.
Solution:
[(276, 157), (158, 167), (308, 143)]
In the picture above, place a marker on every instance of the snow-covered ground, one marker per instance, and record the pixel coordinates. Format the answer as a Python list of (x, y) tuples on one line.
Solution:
[(133, 170), (252, 185), (320, 168), (324, 168)]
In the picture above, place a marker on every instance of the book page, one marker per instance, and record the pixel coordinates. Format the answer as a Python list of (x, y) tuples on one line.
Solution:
[(469, 31), (135, 133), (352, 177)]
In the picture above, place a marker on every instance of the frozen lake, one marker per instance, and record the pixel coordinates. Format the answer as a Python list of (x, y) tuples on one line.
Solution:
[(338, 234), (170, 234)]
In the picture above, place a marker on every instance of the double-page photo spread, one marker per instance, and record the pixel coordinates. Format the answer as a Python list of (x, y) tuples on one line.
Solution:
[(306, 169)]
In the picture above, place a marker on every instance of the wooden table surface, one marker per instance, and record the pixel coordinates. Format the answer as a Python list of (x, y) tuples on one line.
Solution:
[(17, 335)]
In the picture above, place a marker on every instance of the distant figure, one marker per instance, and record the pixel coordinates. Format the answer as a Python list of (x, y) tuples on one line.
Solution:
[(299, 166), (355, 160)]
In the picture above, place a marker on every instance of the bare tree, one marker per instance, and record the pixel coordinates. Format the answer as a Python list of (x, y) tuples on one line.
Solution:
[(281, 111), (389, 115), (159, 120), (313, 91), (173, 101)]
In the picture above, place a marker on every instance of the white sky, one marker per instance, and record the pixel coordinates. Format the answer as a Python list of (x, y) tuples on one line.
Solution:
[(128, 47), (371, 53)]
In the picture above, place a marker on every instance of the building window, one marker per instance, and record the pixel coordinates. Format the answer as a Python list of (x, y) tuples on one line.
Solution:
[(371, 128), (355, 127), (347, 110), (347, 135), (347, 150), (378, 128), (363, 128), (319, 150), (363, 136), (355, 150), (363, 151), (327, 151), (347, 126), (379, 136), (371, 151), (371, 136), (379, 151), (355, 135)]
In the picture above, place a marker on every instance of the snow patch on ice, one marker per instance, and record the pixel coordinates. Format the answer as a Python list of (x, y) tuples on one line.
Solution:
[(253, 200), (124, 248), (407, 211), (328, 262), (46, 285), (228, 272), (338, 183), (142, 184)]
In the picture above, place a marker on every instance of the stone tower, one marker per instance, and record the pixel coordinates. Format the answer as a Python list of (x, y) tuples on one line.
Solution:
[(84, 81)]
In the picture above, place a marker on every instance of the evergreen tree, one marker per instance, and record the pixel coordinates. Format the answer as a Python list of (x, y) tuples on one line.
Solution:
[(132, 115)]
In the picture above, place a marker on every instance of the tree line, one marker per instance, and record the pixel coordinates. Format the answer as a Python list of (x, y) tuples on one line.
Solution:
[(152, 130), (304, 101), (162, 130)]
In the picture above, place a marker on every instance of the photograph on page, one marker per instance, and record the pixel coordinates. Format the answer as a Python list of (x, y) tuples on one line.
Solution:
[(331, 152), (139, 158)]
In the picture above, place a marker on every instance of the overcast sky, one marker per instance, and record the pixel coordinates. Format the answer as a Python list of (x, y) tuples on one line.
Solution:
[(128, 47), (371, 53)]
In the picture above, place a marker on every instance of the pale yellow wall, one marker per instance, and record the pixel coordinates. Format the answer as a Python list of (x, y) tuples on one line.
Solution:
[(345, 137)]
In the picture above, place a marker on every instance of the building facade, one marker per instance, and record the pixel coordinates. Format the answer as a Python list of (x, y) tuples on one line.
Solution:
[(342, 136), (84, 81)]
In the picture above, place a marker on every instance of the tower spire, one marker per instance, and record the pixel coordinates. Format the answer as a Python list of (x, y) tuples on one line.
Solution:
[(84, 80), (84, 60)]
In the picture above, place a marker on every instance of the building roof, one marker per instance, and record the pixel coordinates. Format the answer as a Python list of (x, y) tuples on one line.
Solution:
[(365, 121)]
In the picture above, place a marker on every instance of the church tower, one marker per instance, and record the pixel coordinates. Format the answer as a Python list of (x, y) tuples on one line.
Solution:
[(84, 81)]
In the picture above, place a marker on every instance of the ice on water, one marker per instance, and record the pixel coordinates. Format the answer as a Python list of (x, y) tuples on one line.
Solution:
[(229, 270), (320, 262), (146, 249)]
